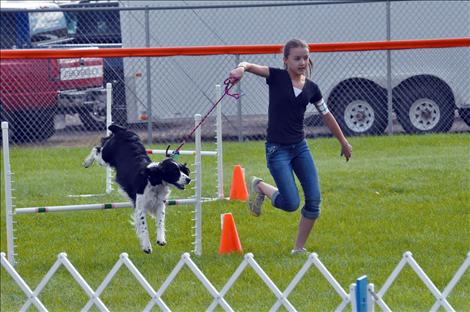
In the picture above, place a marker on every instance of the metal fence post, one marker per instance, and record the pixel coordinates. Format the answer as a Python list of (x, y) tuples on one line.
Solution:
[(389, 74), (148, 73)]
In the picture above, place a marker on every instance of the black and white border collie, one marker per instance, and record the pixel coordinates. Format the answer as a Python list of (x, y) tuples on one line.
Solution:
[(146, 183)]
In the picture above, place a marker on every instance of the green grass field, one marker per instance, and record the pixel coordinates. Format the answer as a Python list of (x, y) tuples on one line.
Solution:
[(396, 194)]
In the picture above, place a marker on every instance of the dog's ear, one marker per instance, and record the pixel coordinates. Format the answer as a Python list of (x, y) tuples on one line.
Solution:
[(115, 128), (184, 169), (153, 175)]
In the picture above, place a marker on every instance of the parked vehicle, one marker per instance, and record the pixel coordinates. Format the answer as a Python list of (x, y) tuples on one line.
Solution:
[(33, 91), (91, 27)]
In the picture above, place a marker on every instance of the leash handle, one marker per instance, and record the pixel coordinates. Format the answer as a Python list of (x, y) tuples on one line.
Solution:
[(228, 85)]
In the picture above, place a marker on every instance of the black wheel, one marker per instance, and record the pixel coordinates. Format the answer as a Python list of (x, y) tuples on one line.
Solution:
[(93, 116), (424, 104), (464, 113), (359, 106)]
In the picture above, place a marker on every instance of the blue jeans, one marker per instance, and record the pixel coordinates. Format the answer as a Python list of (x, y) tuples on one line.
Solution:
[(285, 160)]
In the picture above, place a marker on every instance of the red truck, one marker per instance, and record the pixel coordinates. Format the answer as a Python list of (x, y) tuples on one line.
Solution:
[(33, 91)]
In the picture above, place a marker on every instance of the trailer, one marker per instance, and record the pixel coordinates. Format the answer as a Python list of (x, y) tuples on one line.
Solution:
[(427, 86)]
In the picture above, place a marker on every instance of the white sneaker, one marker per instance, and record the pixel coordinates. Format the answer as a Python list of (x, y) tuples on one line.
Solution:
[(297, 251), (256, 199)]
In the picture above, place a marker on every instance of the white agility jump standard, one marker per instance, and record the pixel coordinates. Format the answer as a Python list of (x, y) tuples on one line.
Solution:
[(196, 201), (281, 298)]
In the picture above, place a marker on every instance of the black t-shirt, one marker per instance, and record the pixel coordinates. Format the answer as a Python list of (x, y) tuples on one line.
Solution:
[(286, 111)]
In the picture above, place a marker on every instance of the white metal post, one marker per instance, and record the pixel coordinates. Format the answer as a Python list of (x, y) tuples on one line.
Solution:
[(109, 121), (352, 297), (220, 162), (370, 298), (8, 195), (198, 193)]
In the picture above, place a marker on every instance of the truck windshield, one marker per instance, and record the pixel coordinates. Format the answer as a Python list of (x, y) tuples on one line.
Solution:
[(105, 27), (44, 28), (47, 27)]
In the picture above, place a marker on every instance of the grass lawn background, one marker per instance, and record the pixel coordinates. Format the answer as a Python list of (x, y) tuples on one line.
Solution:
[(396, 194)]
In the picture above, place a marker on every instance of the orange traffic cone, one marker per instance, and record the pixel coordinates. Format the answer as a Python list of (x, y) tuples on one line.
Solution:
[(238, 190), (229, 241)]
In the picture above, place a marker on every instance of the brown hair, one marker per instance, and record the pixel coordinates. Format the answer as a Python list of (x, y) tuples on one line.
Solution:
[(297, 43)]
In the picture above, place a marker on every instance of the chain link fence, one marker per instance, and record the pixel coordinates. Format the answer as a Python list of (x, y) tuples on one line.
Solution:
[(62, 102)]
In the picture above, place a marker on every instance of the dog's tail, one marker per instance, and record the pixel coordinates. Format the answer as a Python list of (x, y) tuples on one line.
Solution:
[(115, 128)]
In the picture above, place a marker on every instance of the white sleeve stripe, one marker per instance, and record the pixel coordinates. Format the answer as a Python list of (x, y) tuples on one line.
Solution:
[(321, 107)]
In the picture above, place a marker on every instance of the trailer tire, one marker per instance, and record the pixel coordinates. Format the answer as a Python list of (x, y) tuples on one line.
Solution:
[(359, 106), (424, 104)]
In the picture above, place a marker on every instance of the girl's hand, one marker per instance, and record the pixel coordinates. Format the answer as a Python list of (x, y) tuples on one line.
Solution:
[(346, 150), (236, 74)]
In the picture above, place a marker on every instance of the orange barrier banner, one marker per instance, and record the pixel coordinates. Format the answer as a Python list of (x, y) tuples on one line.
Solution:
[(232, 49)]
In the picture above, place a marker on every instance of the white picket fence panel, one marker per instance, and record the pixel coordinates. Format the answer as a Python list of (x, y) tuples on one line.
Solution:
[(218, 297)]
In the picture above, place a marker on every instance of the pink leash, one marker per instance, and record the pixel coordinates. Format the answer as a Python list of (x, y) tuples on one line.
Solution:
[(228, 86)]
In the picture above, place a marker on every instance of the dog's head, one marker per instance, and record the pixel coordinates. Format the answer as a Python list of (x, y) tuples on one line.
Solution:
[(170, 172)]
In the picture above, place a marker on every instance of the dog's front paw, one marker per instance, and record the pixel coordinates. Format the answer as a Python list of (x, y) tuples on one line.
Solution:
[(161, 237), (91, 157), (146, 247), (87, 162), (147, 251)]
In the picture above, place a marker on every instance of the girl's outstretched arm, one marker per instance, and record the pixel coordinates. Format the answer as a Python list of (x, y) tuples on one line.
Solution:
[(237, 73)]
